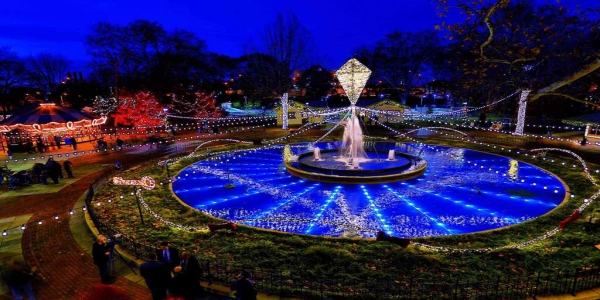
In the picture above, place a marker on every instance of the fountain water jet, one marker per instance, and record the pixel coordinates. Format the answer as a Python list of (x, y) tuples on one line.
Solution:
[(317, 154), (391, 155)]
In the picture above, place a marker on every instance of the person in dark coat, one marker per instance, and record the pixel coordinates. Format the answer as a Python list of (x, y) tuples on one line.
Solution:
[(244, 287), (191, 267), (73, 143), (57, 141), (101, 253), (181, 285), (68, 165), (156, 275), (39, 144), (168, 255), (18, 279), (54, 169)]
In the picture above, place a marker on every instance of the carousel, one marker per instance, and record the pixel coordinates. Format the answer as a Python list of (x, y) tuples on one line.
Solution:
[(46, 121)]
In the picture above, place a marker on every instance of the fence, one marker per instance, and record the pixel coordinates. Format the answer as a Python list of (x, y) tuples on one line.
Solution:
[(298, 284)]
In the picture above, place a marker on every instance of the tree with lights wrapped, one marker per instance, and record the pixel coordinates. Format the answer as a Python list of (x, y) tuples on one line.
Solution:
[(104, 106), (198, 104), (139, 109)]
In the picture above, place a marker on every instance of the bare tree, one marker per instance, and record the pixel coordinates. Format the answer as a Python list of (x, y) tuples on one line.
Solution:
[(286, 45), (46, 71), (508, 45), (12, 74), (144, 55)]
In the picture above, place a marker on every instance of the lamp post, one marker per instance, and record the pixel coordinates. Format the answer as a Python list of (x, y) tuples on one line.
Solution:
[(168, 172), (139, 206)]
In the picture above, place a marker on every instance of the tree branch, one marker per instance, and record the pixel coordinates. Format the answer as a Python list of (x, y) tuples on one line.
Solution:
[(490, 39), (593, 66), (572, 98), (492, 31)]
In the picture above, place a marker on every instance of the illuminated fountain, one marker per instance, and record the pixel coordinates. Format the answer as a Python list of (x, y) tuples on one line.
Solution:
[(320, 190), (352, 163), (462, 191)]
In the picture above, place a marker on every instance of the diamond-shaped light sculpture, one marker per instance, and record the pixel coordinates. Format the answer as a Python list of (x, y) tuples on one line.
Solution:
[(353, 76)]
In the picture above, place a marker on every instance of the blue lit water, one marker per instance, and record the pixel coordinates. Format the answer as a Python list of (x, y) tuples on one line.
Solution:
[(461, 191)]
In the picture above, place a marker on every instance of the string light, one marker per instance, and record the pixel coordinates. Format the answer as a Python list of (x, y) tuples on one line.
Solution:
[(353, 76), (284, 115), (145, 182)]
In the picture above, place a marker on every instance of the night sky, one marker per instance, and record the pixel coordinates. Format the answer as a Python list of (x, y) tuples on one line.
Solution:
[(338, 27)]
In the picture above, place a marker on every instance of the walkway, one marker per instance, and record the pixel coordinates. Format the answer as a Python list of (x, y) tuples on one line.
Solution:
[(60, 248)]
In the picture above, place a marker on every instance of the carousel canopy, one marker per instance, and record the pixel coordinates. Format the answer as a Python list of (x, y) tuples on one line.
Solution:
[(589, 119), (48, 117)]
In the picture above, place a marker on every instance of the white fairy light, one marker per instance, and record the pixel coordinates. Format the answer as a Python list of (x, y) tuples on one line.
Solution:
[(284, 114), (353, 76)]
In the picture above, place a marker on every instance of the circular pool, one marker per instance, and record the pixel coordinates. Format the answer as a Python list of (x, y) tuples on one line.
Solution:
[(461, 191)]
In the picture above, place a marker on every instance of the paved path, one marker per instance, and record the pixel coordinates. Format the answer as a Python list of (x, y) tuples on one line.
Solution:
[(67, 270)]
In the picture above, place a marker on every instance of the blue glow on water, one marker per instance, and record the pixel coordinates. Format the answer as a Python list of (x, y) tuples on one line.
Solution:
[(461, 191)]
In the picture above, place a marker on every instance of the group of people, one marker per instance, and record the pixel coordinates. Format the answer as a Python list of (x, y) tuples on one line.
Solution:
[(52, 169), (168, 270), (51, 141)]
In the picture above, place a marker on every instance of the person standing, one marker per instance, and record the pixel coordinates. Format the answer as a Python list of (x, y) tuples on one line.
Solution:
[(68, 165), (168, 255), (54, 169), (181, 285), (101, 253), (18, 278), (156, 274), (191, 268), (57, 141), (39, 145), (244, 287), (73, 143)]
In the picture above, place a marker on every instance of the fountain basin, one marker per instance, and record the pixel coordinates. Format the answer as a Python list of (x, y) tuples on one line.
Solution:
[(461, 191), (376, 168)]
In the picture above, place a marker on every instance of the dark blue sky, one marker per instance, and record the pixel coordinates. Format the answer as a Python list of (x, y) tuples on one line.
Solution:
[(338, 26)]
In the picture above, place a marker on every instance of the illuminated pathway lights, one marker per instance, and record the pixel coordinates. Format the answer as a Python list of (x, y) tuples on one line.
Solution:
[(461, 191)]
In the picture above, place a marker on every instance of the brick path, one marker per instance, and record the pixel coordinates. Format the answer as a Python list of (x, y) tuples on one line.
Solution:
[(68, 271)]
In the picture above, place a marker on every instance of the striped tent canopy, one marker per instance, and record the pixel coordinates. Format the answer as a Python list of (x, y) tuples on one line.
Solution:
[(48, 117), (584, 120)]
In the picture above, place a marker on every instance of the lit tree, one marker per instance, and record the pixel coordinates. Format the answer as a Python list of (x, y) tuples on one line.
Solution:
[(139, 109), (104, 106), (198, 104)]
